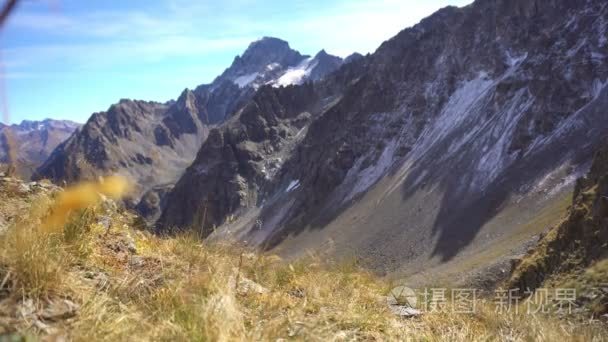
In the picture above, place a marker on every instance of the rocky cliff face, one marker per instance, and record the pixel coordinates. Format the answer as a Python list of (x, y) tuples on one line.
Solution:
[(153, 143), (241, 156), (33, 142), (424, 145)]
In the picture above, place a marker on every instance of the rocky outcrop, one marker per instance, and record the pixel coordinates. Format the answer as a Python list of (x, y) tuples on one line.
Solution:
[(579, 241), (325, 64), (428, 140), (32, 142)]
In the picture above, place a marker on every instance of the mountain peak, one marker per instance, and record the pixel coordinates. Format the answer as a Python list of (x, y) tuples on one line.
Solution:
[(268, 42), (353, 57), (33, 141), (28, 125), (321, 53), (264, 52)]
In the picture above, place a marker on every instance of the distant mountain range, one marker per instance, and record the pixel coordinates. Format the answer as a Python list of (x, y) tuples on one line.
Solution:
[(153, 143), (33, 141)]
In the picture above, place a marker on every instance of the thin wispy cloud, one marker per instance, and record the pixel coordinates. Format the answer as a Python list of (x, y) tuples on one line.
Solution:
[(88, 56)]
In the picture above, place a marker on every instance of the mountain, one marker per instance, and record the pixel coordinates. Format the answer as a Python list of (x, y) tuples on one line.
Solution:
[(270, 61), (446, 144), (352, 57), (152, 143), (33, 142)]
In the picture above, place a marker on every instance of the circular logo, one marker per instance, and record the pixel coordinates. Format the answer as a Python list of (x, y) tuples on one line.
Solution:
[(402, 296)]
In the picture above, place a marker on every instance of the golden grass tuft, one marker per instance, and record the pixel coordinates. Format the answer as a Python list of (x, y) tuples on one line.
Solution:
[(31, 256), (82, 196)]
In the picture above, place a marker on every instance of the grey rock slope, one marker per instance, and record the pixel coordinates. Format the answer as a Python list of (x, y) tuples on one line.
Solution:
[(424, 149), (152, 143), (33, 142)]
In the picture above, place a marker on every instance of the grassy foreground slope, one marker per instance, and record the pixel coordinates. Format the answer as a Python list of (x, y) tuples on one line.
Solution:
[(93, 275)]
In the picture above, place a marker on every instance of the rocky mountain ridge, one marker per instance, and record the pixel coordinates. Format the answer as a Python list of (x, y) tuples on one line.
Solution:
[(427, 145), (33, 142)]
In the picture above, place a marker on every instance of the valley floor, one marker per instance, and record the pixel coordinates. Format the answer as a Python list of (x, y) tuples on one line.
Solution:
[(97, 276)]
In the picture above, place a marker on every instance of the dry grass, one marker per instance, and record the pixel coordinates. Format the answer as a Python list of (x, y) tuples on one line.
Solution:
[(182, 289)]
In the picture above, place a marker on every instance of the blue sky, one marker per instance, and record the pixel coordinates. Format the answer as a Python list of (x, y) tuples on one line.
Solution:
[(67, 59)]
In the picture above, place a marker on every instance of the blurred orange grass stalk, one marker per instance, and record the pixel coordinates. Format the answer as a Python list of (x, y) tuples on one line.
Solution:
[(82, 196)]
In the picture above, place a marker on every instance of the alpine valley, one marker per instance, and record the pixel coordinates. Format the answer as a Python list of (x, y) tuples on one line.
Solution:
[(442, 157)]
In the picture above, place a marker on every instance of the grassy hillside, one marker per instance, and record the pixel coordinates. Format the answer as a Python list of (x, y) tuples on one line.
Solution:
[(91, 274)]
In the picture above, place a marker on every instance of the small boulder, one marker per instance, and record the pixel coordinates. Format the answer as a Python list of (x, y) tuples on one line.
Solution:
[(405, 311), (23, 188), (247, 286), (59, 310), (131, 247)]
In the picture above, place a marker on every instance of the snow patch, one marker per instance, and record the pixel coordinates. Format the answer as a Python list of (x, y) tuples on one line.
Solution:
[(294, 184), (297, 75), (513, 60), (245, 80), (272, 66)]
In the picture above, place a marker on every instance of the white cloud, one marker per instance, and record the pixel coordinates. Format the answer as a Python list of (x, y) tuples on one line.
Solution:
[(98, 24)]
